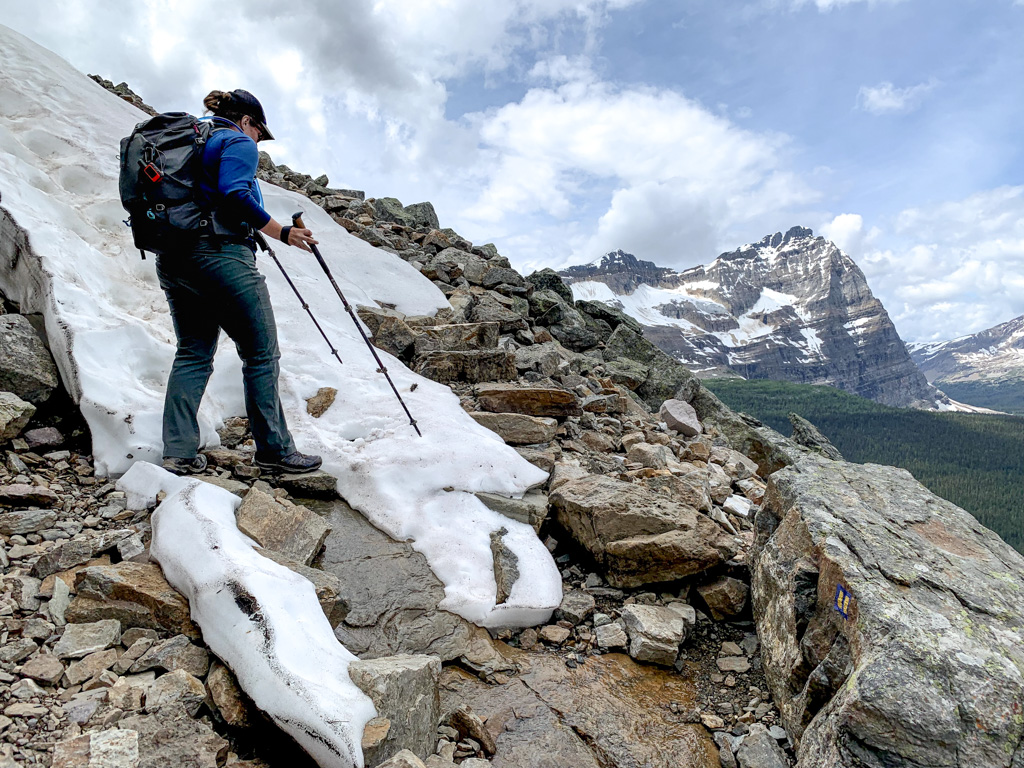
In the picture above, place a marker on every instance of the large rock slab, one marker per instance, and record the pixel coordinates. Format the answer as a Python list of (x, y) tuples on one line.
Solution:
[(927, 668), (531, 401), (80, 640), (470, 366), (173, 738), (403, 690), (135, 594), (26, 367), (117, 748), (392, 597), (457, 337), (638, 535), (609, 711), (292, 530), (517, 428)]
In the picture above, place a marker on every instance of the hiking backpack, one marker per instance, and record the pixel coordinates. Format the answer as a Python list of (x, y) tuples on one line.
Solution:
[(159, 181)]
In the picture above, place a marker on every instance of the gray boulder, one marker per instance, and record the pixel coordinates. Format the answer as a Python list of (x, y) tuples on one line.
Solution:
[(655, 633), (924, 668), (638, 535), (666, 378), (26, 367), (14, 415), (404, 691)]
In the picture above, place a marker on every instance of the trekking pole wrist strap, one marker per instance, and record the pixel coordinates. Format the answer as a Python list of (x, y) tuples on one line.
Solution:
[(285, 231)]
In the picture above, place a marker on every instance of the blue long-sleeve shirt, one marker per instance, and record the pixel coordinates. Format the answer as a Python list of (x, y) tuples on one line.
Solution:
[(228, 180)]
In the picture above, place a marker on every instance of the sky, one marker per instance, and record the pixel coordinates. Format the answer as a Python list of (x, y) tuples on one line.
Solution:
[(564, 129)]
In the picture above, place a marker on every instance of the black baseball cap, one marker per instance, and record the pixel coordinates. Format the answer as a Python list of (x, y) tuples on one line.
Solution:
[(252, 107)]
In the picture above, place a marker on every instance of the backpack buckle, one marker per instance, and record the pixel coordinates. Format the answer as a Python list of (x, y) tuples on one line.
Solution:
[(152, 173)]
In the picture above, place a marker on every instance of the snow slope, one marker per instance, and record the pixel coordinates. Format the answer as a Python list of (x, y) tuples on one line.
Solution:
[(111, 335)]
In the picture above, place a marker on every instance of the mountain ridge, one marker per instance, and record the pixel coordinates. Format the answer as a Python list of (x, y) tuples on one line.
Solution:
[(791, 306)]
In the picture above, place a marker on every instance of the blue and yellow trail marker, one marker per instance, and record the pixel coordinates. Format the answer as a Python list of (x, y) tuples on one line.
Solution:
[(843, 600)]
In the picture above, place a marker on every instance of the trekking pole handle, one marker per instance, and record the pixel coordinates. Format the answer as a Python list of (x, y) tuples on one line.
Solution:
[(297, 220)]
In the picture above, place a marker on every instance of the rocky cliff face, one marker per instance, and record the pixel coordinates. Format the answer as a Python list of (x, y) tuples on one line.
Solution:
[(792, 307)]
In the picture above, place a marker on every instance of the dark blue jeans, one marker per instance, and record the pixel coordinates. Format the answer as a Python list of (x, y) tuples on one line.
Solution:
[(216, 285)]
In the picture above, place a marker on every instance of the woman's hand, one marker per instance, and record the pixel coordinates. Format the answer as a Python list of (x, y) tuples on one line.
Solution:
[(302, 238), (297, 236)]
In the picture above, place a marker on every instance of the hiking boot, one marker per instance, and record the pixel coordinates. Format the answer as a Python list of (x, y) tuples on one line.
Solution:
[(178, 466), (294, 463)]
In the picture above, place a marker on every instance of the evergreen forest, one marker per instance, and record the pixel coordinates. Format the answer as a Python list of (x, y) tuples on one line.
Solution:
[(975, 461)]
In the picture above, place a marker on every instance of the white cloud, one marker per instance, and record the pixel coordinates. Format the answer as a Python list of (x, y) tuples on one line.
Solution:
[(953, 268), (886, 98), (824, 5), (675, 175)]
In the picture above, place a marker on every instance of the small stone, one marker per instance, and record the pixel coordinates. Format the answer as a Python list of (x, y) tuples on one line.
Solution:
[(469, 725), (26, 521), (17, 650), (116, 748), (80, 640), (576, 607), (134, 634), (26, 710), (731, 649), (726, 597), (610, 636), (554, 634), (738, 664), (293, 531), (227, 697), (712, 722)]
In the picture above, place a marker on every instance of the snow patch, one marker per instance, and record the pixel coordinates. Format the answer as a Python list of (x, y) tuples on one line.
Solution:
[(261, 619), (111, 333)]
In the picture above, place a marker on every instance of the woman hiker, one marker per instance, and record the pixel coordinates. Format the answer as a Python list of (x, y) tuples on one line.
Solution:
[(215, 285)]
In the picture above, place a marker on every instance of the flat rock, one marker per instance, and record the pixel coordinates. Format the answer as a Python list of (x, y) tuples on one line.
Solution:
[(90, 666), (470, 366), (292, 530), (404, 691), (174, 654), (576, 607), (637, 535), (655, 633), (926, 669), (404, 759), (680, 416), (532, 509), (312, 485), (518, 428), (530, 401), (116, 748), (173, 738), (80, 640), (136, 594), (611, 636), (77, 552), (43, 437), (609, 711), (392, 597), (461, 337), (46, 669), (237, 487), (17, 494)]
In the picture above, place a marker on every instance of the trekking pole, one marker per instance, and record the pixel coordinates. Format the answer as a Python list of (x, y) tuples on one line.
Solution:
[(297, 222), (302, 301)]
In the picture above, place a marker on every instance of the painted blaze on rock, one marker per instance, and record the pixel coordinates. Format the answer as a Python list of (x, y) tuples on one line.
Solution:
[(927, 669)]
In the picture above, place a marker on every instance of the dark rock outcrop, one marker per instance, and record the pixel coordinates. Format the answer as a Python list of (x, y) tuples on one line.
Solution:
[(925, 667)]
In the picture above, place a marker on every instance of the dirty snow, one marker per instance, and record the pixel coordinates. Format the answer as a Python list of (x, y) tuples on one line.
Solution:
[(111, 335)]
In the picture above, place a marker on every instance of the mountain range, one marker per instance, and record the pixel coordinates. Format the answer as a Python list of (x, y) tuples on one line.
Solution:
[(986, 368), (792, 307)]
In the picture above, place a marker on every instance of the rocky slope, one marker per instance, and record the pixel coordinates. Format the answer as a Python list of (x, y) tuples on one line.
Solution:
[(792, 307), (992, 360), (696, 628)]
